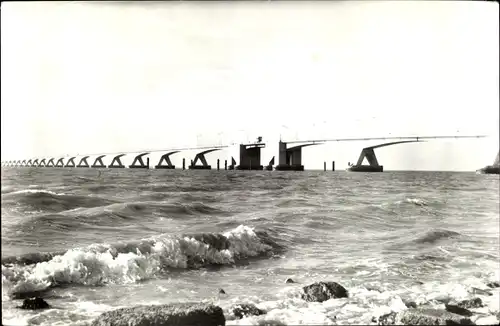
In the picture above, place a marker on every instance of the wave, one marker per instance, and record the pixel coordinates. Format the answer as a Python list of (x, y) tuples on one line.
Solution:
[(101, 264), (49, 201), (436, 235)]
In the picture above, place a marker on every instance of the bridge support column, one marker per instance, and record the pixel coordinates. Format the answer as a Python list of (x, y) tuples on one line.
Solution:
[(369, 154), (35, 163), (70, 163), (225, 165), (50, 163), (60, 163), (116, 163), (168, 165), (98, 163), (83, 163), (290, 159), (138, 163), (324, 166), (201, 157), (184, 163), (250, 157), (333, 165), (42, 163)]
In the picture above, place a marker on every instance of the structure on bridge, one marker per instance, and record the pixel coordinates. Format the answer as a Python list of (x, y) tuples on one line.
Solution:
[(201, 157), (369, 154), (250, 156), (168, 164), (70, 163), (83, 162), (116, 163), (98, 163), (138, 163), (290, 159)]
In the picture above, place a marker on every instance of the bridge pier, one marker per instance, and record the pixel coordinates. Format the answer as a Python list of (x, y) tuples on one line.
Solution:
[(70, 163), (60, 163), (141, 164), (369, 154), (201, 157), (42, 163), (290, 159), (98, 163), (50, 163), (250, 157), (83, 163), (116, 163), (169, 164)]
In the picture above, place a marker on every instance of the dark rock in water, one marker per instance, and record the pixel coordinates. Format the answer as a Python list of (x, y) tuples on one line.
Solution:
[(243, 310), (410, 304), (471, 303), (34, 304), (456, 309), (432, 317), (289, 280), (387, 319), (493, 285), (322, 291), (180, 314), (221, 291)]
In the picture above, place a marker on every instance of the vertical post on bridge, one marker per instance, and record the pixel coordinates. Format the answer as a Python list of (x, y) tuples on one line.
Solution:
[(324, 166), (147, 162), (333, 166), (184, 163), (218, 164), (225, 164)]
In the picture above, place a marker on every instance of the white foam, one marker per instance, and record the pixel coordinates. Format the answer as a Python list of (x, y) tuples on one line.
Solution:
[(103, 264)]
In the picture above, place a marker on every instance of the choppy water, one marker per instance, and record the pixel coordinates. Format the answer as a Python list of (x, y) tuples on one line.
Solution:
[(91, 241)]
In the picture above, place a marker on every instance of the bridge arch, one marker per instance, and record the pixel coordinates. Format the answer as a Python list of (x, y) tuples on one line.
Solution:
[(166, 158), (98, 163), (70, 163), (116, 163), (201, 157), (141, 165), (369, 154)]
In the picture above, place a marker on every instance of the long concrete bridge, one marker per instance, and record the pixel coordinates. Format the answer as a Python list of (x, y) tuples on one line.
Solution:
[(289, 156)]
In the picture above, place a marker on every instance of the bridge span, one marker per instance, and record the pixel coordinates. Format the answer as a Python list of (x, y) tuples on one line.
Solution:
[(289, 157)]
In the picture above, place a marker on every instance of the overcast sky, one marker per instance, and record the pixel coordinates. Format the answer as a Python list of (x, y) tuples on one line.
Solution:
[(106, 77)]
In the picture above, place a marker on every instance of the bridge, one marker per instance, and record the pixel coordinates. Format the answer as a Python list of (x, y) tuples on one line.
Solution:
[(289, 157)]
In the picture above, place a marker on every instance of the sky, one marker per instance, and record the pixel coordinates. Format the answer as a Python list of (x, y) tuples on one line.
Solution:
[(83, 78)]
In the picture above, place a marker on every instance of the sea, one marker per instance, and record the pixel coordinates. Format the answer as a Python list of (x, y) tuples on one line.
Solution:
[(90, 241)]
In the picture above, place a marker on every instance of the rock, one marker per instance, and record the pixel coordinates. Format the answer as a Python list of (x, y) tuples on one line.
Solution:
[(456, 309), (480, 291), (410, 304), (432, 317), (387, 319), (493, 285), (34, 304), (221, 291), (289, 280), (471, 303), (322, 291), (193, 314), (243, 310)]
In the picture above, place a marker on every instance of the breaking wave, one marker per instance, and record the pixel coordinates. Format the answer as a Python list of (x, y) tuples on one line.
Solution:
[(101, 264)]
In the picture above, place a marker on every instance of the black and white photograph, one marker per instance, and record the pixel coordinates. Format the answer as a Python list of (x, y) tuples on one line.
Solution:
[(211, 163)]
